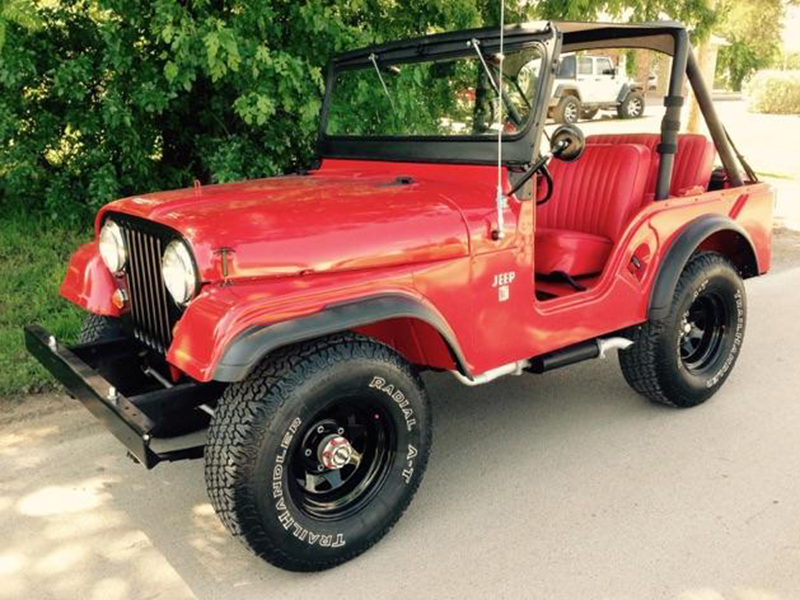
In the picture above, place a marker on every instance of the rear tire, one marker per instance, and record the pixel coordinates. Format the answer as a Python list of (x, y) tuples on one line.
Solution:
[(265, 460), (97, 328), (685, 358), (568, 110)]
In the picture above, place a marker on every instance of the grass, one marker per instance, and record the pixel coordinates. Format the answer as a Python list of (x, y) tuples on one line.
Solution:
[(33, 259)]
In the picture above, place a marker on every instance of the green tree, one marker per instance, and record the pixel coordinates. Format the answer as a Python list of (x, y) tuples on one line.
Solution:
[(108, 98), (19, 12), (698, 15), (753, 30)]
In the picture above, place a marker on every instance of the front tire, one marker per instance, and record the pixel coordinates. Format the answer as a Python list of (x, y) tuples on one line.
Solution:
[(315, 456), (685, 358)]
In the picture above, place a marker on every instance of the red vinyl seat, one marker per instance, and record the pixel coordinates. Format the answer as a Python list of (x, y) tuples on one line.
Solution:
[(691, 171), (593, 200)]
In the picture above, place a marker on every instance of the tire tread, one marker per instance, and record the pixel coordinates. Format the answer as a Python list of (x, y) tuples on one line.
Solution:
[(230, 451)]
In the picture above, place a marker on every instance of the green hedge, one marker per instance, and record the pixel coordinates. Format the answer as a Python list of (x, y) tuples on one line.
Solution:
[(775, 92)]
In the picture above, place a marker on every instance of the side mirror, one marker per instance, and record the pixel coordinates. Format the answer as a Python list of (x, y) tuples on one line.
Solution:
[(567, 143)]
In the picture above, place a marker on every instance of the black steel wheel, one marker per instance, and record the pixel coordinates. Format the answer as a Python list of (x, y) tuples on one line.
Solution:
[(704, 325), (685, 358), (313, 457), (343, 458)]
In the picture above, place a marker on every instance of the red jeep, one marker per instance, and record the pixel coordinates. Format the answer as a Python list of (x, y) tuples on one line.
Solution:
[(278, 328)]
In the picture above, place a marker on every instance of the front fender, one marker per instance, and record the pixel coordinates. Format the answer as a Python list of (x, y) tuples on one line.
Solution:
[(244, 352), (88, 282), (227, 330)]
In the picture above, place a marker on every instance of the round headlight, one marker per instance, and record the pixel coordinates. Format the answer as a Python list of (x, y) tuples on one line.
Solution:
[(112, 247), (178, 270)]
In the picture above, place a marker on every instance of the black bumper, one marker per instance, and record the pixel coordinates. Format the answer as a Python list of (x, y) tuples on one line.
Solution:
[(152, 422)]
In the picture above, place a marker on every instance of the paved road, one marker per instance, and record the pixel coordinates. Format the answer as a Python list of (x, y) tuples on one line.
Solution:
[(566, 486)]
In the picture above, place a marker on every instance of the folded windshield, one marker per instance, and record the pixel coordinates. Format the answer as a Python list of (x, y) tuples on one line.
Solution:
[(450, 97)]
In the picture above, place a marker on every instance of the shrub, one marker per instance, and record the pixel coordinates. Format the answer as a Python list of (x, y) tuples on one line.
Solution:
[(107, 98), (775, 92)]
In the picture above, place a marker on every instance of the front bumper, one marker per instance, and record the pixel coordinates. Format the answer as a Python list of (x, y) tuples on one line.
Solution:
[(153, 422)]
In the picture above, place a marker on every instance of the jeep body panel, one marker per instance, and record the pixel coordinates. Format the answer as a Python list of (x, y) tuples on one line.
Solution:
[(385, 213), (460, 288), (88, 283), (283, 249)]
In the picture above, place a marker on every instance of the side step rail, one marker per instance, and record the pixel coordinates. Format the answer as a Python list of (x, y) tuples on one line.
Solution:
[(597, 348)]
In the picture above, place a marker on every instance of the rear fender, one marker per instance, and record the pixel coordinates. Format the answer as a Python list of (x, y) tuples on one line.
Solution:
[(709, 232)]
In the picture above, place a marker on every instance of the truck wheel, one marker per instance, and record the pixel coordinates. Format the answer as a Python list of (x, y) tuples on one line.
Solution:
[(96, 328), (632, 107), (313, 457), (685, 358), (568, 110)]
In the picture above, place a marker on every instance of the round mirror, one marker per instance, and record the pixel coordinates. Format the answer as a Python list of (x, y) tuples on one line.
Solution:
[(567, 143)]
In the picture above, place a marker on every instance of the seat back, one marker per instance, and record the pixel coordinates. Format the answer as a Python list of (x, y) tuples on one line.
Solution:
[(694, 159), (599, 192)]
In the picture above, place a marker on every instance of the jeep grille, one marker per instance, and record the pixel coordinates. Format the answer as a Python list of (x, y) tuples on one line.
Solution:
[(153, 313)]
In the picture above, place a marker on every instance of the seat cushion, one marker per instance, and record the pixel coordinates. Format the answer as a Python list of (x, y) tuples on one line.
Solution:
[(694, 160), (694, 163), (597, 193), (571, 252)]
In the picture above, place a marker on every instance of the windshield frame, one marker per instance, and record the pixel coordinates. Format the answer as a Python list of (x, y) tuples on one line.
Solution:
[(518, 148)]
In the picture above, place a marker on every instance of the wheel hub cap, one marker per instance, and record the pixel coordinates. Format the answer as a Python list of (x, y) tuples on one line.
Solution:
[(335, 452)]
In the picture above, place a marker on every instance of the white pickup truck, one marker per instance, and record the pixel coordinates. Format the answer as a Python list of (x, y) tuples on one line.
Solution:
[(585, 85)]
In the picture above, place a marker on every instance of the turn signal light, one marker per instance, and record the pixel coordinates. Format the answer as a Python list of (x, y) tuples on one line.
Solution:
[(119, 298)]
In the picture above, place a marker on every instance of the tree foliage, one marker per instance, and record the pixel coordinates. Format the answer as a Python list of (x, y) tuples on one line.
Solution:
[(697, 15), (106, 98), (753, 30), (113, 97)]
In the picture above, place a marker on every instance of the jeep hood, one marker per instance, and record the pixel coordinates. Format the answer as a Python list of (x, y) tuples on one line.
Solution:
[(308, 224)]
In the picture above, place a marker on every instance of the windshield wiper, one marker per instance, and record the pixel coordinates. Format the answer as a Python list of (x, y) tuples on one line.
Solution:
[(374, 60), (475, 43), (513, 113)]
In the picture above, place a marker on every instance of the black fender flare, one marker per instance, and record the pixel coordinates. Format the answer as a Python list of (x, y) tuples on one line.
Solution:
[(250, 346), (678, 255), (624, 91)]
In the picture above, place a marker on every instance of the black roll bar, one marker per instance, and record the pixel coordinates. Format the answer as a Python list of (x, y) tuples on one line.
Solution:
[(671, 123), (715, 127)]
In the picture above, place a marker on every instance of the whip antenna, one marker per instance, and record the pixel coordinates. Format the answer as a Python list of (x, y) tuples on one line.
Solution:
[(500, 199)]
